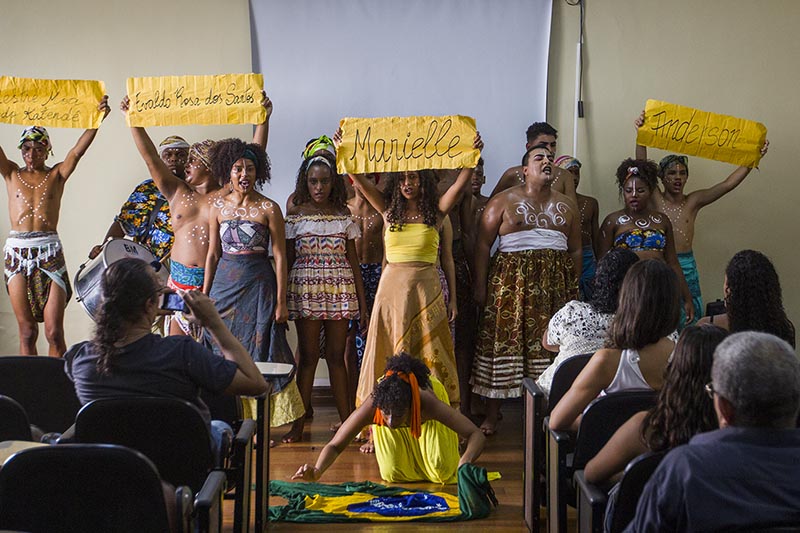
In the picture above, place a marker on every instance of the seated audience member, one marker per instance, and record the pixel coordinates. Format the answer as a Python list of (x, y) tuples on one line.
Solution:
[(683, 408), (125, 359), (638, 345), (415, 429), (744, 475), (753, 300), (580, 327)]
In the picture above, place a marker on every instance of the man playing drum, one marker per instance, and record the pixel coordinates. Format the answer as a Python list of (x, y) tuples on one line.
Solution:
[(33, 254)]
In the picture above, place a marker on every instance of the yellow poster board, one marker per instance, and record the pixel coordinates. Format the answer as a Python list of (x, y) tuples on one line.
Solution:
[(690, 131), (51, 103), (188, 100), (396, 144)]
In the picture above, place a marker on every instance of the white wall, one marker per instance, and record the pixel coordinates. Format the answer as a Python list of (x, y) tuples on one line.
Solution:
[(111, 41)]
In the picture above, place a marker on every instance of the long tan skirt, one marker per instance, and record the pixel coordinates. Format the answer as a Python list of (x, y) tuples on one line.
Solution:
[(525, 290), (410, 316)]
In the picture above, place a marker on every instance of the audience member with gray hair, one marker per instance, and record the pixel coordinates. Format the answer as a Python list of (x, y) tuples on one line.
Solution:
[(746, 473)]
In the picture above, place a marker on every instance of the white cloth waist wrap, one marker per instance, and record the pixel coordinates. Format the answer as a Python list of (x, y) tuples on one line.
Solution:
[(532, 239)]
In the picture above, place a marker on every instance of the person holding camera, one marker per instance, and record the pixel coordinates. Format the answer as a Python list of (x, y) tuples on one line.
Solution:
[(124, 358)]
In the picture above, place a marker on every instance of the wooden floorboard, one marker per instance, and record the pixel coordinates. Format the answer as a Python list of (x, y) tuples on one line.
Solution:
[(503, 453)]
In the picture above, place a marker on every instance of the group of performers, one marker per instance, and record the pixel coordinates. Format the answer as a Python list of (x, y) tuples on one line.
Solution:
[(367, 266)]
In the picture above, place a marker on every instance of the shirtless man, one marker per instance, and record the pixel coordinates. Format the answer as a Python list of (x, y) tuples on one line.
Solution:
[(590, 228), (533, 274), (682, 208), (539, 133), (33, 254), (478, 199), (369, 248)]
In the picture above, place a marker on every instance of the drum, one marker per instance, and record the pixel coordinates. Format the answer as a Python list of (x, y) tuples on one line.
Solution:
[(87, 280)]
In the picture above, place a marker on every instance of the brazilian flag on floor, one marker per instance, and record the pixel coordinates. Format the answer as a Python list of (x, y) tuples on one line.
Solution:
[(370, 502)]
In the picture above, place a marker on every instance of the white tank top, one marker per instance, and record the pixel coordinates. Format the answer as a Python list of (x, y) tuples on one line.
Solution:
[(628, 377)]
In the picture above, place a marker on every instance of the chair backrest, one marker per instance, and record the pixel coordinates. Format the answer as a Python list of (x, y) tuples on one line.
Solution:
[(563, 377), (631, 485), (42, 388), (79, 488), (223, 407), (603, 417), (14, 423), (170, 432)]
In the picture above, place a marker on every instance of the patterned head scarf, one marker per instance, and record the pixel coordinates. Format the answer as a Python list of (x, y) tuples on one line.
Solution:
[(320, 143), (36, 134), (671, 159), (567, 162), (173, 142), (200, 151)]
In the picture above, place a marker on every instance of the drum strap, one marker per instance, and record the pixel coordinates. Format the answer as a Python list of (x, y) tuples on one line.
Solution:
[(154, 213)]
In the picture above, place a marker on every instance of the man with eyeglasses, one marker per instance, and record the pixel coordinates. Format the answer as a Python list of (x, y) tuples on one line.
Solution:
[(745, 474)]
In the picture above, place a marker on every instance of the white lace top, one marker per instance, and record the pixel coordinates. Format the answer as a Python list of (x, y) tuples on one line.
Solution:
[(576, 328)]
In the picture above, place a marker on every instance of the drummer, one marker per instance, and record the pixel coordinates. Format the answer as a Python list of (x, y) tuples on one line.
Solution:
[(145, 216), (35, 270)]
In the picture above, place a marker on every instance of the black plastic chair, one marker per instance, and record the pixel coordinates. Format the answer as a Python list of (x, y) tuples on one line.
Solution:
[(593, 500), (14, 423), (170, 432), (536, 408), (79, 488), (239, 470), (42, 388), (567, 452)]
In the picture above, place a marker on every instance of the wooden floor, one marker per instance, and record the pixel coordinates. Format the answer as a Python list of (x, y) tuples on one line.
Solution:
[(503, 453)]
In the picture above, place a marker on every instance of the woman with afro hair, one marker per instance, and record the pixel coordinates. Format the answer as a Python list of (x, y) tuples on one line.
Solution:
[(753, 298), (409, 313), (325, 287), (415, 430), (639, 228), (249, 295)]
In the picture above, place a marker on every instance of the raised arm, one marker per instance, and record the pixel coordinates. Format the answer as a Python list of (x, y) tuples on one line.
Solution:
[(358, 420), (261, 135), (703, 197), (67, 167), (165, 180), (641, 150), (452, 195), (6, 165)]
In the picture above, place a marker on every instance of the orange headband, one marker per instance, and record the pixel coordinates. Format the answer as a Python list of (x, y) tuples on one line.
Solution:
[(416, 415)]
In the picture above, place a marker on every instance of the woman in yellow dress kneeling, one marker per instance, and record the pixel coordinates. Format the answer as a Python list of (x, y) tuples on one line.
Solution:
[(415, 430)]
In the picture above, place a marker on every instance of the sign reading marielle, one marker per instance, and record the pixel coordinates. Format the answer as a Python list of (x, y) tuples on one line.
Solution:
[(186, 100), (51, 103), (395, 144), (690, 131)]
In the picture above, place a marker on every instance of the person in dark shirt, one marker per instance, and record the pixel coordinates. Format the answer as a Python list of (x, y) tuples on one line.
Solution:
[(743, 475)]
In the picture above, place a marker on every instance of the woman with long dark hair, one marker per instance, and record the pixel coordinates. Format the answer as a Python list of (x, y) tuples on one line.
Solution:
[(638, 346), (753, 298), (580, 327), (683, 408), (124, 358)]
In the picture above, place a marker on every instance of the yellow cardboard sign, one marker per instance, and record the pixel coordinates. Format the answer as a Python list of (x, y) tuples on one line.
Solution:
[(187, 100), (51, 103), (690, 131), (395, 144)]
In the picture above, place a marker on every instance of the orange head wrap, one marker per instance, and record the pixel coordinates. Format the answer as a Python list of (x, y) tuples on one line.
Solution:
[(416, 415)]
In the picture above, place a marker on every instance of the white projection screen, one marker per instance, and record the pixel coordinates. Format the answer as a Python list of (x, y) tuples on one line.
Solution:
[(326, 59)]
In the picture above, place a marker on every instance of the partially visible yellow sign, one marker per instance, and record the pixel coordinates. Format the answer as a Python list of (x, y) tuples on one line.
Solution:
[(186, 100), (395, 144), (51, 103), (691, 131)]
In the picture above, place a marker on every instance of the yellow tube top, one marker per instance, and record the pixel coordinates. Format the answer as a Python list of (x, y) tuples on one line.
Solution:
[(415, 242)]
